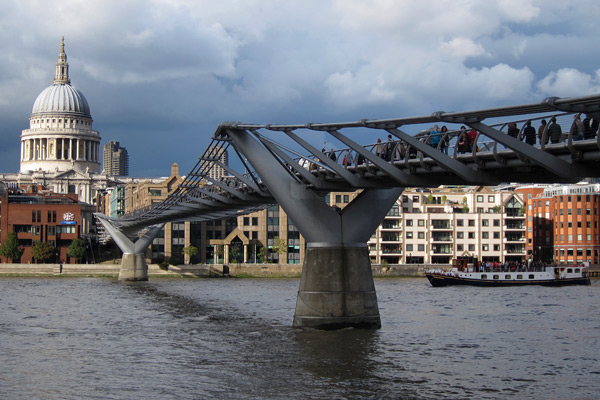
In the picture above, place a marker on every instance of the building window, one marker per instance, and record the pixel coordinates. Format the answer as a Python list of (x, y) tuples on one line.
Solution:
[(471, 222), (409, 222), (409, 247), (459, 222), (421, 222), (421, 235), (421, 247), (480, 198), (491, 199)]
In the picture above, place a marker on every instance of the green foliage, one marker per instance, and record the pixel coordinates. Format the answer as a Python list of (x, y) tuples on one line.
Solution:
[(77, 249), (43, 252), (236, 254), (190, 251), (279, 245), (174, 260), (164, 266), (10, 248), (262, 254)]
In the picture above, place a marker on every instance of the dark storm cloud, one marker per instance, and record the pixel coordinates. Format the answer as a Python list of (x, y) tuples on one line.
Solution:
[(160, 76)]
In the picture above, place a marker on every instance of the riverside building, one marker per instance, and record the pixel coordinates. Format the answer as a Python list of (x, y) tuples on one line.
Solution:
[(36, 215), (563, 223), (434, 226)]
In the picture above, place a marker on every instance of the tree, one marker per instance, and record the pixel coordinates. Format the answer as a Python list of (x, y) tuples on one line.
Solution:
[(43, 252), (279, 245), (262, 256), (190, 251), (77, 249), (10, 248)]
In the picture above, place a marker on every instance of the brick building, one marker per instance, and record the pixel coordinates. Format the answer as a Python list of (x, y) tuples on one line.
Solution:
[(563, 223), (40, 216)]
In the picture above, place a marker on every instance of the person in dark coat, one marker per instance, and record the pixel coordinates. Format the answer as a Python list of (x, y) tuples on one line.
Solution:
[(529, 133), (513, 130)]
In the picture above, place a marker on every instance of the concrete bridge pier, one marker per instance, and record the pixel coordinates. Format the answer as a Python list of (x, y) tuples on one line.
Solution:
[(133, 262), (336, 287)]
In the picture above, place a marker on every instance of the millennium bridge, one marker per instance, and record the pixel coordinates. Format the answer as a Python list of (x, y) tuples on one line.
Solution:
[(287, 165)]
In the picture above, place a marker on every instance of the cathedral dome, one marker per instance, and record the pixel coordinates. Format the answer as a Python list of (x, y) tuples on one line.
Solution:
[(61, 98)]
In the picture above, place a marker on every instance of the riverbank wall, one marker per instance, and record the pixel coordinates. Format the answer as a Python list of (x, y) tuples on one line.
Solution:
[(210, 270), (192, 270)]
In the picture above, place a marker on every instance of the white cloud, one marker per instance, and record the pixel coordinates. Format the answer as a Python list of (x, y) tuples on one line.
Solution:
[(463, 47), (570, 82)]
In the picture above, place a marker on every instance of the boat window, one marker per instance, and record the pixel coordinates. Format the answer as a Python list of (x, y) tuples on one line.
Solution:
[(506, 276), (576, 270), (496, 276), (519, 276), (483, 276), (531, 276), (569, 270)]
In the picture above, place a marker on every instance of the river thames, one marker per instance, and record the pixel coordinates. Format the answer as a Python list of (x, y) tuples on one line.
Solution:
[(97, 338)]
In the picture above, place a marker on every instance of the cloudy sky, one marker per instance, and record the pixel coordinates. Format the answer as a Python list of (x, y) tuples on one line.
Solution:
[(160, 75)]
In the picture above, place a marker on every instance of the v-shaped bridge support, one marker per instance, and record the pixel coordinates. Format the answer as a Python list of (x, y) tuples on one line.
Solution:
[(133, 262), (336, 288)]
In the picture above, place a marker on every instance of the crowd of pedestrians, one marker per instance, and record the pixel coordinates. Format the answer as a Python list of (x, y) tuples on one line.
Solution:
[(512, 266), (466, 139)]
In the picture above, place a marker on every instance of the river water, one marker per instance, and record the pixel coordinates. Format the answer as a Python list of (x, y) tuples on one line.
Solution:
[(97, 338)]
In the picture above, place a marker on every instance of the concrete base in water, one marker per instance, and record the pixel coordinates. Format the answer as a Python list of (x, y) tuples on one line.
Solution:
[(337, 290), (133, 268)]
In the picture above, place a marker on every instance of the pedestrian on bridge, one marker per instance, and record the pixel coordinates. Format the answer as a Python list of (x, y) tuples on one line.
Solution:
[(529, 133), (554, 131)]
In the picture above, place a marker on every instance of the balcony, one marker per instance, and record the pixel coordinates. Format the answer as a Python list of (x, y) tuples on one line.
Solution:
[(391, 250), (514, 238), (390, 237), (390, 224), (515, 225), (441, 225), (441, 249), (443, 237), (515, 249)]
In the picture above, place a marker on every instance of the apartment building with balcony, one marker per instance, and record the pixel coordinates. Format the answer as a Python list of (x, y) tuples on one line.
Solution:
[(434, 226)]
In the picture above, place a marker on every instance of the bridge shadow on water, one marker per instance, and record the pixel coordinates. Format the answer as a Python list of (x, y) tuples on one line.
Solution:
[(245, 353)]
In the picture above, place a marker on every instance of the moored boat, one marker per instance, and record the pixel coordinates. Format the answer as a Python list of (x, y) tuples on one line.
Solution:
[(548, 276)]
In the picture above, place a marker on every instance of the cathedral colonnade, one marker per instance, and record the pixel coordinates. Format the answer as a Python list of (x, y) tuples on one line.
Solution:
[(60, 148)]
